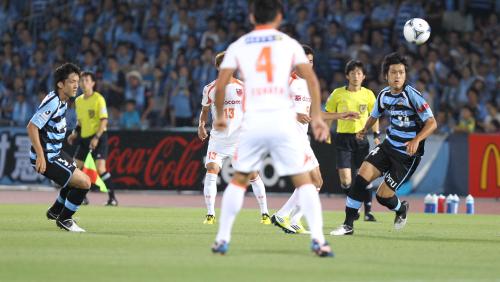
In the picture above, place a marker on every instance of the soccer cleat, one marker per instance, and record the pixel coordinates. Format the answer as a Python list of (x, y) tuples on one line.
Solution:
[(112, 202), (220, 247), (69, 225), (282, 223), (85, 201), (265, 219), (343, 230), (369, 217), (299, 228), (209, 219), (400, 219), (321, 250), (51, 215)]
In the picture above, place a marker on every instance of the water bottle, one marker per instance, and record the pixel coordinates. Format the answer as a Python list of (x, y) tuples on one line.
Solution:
[(434, 203), (456, 203), (469, 204), (441, 203), (449, 203), (428, 204)]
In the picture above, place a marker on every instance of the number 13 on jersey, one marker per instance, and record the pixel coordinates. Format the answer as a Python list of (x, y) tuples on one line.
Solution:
[(264, 63)]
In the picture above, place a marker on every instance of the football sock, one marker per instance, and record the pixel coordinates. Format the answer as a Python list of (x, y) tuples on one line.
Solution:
[(210, 192), (59, 203), (296, 215), (106, 178), (232, 201), (368, 201), (259, 190), (392, 203), (72, 203), (310, 205), (287, 208)]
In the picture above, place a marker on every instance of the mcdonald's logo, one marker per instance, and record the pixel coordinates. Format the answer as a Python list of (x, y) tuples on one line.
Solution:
[(490, 149)]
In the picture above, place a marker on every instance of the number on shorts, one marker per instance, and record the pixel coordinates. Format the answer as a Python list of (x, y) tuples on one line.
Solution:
[(229, 113), (264, 63), (374, 151), (212, 155)]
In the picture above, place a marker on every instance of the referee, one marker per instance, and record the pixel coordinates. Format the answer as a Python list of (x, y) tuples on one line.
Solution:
[(92, 117), (351, 151)]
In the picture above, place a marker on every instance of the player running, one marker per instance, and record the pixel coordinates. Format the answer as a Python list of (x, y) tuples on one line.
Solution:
[(288, 217), (47, 130), (222, 143), (397, 158), (265, 58)]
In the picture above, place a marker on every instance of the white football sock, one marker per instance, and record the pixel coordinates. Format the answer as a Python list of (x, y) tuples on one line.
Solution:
[(310, 205), (232, 201), (210, 192), (259, 190), (296, 215), (287, 208)]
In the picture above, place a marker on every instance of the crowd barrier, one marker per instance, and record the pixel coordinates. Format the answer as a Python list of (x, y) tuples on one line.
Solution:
[(173, 160)]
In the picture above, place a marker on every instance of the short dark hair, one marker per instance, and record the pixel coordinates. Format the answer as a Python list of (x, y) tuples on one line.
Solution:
[(265, 11), (219, 58), (393, 59), (352, 64), (88, 73), (308, 50), (63, 71)]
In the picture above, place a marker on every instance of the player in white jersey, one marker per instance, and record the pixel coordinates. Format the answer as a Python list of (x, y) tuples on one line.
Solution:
[(222, 143), (288, 217), (265, 58)]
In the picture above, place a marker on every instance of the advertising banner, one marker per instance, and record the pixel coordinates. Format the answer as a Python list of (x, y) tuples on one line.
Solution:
[(484, 165)]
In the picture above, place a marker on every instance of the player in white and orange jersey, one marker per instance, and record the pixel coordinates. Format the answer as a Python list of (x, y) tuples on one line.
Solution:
[(265, 58), (288, 217), (222, 143)]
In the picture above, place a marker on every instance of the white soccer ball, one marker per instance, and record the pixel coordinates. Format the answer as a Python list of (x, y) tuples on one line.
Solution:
[(416, 31)]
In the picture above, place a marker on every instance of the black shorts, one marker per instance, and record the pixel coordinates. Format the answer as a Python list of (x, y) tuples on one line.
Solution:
[(99, 153), (396, 167), (60, 169), (350, 151)]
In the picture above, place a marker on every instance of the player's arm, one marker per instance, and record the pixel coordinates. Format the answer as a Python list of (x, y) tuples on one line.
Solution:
[(220, 92), (369, 124), (376, 132), (75, 133), (103, 123), (33, 133), (202, 132), (320, 129), (330, 117)]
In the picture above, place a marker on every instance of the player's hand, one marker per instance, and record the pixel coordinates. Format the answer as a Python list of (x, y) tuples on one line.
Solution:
[(349, 115), (376, 141), (303, 118), (40, 164), (361, 134), (93, 143), (71, 138), (412, 146), (321, 131), (220, 124), (202, 133)]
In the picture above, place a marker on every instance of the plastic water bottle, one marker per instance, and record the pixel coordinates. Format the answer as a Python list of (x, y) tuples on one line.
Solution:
[(434, 208), (456, 203), (449, 203), (441, 203), (469, 204), (428, 204)]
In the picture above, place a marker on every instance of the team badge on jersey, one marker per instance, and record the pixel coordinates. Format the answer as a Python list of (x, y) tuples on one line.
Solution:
[(362, 108), (91, 113), (239, 91)]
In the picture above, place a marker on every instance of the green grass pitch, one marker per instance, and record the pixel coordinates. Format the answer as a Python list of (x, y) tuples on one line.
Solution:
[(171, 244)]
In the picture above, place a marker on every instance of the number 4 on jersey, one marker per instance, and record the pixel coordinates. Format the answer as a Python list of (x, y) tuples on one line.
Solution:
[(264, 63)]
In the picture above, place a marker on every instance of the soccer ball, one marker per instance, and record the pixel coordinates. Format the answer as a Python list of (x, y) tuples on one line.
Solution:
[(417, 31)]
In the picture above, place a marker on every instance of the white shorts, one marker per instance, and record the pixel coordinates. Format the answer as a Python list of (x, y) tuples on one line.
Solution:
[(219, 151), (312, 161), (273, 133)]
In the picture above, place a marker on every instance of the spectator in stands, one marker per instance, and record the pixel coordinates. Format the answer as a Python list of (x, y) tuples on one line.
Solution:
[(181, 113), (130, 119), (113, 83), (466, 122), (136, 90)]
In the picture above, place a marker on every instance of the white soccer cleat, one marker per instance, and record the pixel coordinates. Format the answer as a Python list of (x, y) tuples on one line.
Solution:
[(342, 230), (69, 225)]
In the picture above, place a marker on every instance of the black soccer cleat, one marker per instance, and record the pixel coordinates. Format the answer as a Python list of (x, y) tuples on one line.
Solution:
[(401, 218), (112, 202), (51, 215), (369, 217)]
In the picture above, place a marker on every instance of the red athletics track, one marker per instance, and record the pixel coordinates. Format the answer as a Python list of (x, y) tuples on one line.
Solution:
[(169, 199)]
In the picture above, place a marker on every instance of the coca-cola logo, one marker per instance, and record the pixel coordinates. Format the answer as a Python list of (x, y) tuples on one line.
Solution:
[(174, 161)]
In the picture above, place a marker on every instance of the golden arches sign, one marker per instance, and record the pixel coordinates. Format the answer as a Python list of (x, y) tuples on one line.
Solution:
[(490, 149)]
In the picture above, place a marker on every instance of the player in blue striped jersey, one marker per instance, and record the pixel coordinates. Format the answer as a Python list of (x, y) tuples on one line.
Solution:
[(47, 130), (411, 122)]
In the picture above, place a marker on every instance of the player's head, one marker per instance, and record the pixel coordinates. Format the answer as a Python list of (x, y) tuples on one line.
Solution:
[(87, 81), (355, 73), (394, 69), (218, 59), (309, 53), (266, 12), (66, 78)]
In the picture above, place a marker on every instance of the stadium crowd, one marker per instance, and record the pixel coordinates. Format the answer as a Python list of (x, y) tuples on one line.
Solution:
[(152, 58)]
